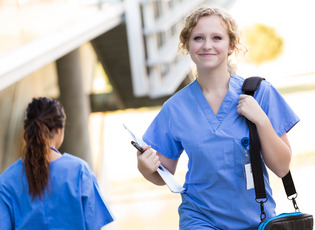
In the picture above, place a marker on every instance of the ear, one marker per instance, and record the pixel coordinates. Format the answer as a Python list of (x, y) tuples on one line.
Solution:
[(231, 49), (57, 130)]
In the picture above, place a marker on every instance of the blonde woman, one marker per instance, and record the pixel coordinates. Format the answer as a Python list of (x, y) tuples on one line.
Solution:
[(207, 119)]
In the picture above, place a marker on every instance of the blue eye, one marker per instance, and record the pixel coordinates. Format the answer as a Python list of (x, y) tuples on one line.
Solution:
[(198, 38), (217, 38)]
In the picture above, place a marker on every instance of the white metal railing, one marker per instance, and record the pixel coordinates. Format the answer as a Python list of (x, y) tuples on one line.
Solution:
[(153, 28), (30, 57)]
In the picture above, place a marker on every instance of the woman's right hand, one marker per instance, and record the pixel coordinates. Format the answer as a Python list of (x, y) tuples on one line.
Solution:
[(148, 162)]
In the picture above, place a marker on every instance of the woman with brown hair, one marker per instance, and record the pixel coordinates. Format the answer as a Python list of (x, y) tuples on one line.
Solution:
[(45, 189)]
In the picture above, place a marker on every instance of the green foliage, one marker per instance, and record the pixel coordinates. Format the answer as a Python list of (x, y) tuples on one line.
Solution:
[(264, 44)]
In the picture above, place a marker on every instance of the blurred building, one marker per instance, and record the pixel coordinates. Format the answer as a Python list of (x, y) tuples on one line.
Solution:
[(68, 49)]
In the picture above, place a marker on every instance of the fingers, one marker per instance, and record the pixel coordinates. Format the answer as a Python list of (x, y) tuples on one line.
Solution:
[(240, 104), (244, 100), (249, 107), (150, 157), (149, 161), (246, 105), (243, 96), (144, 148)]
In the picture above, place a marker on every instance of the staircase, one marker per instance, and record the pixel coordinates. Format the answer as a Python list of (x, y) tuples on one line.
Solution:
[(140, 56)]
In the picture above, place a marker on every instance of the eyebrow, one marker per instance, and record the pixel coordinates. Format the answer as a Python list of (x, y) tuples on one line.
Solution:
[(202, 34)]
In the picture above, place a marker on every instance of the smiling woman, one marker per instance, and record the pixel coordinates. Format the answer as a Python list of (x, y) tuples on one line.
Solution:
[(206, 119), (226, 30), (209, 44)]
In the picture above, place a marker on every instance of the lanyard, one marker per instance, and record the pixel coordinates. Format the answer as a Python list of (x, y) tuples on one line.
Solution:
[(54, 149)]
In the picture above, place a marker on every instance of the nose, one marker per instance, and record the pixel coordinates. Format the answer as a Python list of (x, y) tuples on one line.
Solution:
[(207, 44)]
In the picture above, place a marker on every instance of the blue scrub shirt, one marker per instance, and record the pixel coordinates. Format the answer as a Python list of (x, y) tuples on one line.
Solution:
[(74, 200), (216, 196)]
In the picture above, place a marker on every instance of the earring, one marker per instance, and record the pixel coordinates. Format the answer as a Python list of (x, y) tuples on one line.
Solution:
[(230, 51)]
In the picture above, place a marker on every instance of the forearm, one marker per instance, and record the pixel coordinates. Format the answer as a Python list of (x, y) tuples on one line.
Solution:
[(155, 178), (276, 150), (148, 163)]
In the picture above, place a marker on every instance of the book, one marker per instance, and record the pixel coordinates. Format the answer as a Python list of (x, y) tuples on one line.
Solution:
[(168, 177)]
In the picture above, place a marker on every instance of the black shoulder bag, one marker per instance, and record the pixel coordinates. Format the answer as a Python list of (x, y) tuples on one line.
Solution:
[(285, 221)]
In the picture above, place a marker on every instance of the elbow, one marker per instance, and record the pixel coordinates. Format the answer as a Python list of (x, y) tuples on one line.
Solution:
[(283, 172), (282, 167)]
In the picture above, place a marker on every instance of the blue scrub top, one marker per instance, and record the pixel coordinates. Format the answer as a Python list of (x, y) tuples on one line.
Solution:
[(216, 196), (74, 200)]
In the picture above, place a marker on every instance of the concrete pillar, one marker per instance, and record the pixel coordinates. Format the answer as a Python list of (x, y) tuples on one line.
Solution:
[(11, 115), (76, 104)]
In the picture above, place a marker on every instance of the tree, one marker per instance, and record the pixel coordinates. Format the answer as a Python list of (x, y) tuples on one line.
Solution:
[(264, 44)]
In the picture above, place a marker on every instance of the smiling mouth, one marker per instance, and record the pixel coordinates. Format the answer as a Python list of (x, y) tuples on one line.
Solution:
[(206, 54)]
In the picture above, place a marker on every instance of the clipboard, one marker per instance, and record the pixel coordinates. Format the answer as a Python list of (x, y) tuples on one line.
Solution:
[(168, 177)]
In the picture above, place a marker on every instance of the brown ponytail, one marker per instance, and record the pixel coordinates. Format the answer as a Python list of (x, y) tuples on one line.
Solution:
[(43, 116)]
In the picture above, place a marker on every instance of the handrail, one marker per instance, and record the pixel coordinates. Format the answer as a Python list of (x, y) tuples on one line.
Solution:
[(175, 15), (36, 54)]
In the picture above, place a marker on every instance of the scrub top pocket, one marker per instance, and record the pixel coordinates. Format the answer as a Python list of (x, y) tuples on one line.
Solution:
[(241, 156), (207, 159)]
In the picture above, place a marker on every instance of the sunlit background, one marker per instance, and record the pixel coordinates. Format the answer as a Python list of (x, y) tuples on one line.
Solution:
[(136, 203)]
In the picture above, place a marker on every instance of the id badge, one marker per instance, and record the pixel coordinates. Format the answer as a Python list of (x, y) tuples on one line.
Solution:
[(249, 176), (249, 180)]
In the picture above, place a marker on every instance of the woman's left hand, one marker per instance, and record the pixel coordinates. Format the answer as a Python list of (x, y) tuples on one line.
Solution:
[(248, 107)]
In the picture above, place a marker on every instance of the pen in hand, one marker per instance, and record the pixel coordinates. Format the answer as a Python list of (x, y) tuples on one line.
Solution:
[(137, 146)]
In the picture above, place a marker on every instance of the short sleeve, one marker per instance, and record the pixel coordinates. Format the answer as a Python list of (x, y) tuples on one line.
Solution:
[(280, 114), (5, 216), (95, 209), (159, 135)]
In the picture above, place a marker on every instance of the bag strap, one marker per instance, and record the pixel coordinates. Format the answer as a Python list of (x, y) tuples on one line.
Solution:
[(249, 87), (251, 84)]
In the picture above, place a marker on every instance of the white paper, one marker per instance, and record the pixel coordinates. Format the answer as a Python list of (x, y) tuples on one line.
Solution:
[(136, 139), (170, 180), (168, 177)]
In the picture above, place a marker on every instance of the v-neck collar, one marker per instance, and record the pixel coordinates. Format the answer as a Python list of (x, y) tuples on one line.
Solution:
[(215, 120)]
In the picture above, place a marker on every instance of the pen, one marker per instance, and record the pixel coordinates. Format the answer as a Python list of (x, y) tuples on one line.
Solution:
[(137, 146)]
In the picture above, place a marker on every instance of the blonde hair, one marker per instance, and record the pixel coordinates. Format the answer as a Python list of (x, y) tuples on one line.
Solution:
[(230, 25)]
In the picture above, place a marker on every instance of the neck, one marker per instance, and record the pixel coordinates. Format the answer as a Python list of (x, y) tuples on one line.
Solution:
[(54, 149), (213, 80), (54, 154)]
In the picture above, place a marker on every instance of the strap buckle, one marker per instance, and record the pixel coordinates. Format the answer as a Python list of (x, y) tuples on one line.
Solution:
[(296, 207), (263, 215)]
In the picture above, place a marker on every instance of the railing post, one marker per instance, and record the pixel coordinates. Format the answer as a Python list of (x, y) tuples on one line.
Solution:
[(136, 48)]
